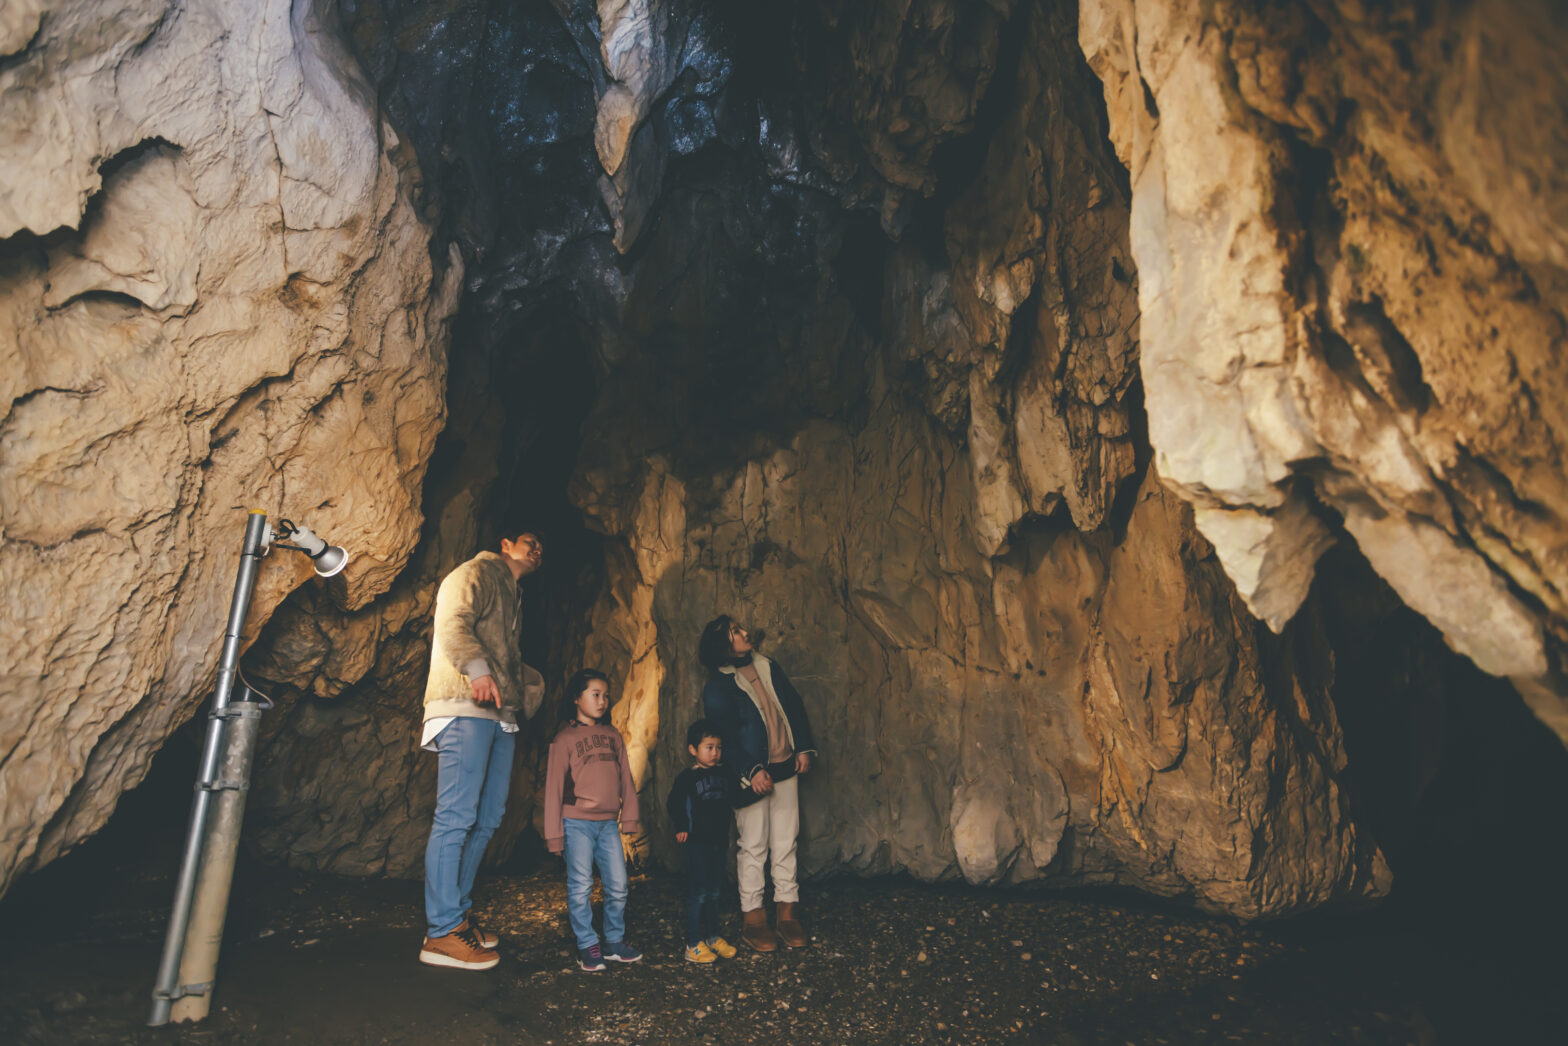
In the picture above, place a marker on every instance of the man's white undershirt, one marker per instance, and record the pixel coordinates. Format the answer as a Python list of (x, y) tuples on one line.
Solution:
[(433, 727)]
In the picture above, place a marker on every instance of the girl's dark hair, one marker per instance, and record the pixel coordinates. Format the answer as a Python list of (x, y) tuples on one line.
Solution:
[(574, 689), (714, 648)]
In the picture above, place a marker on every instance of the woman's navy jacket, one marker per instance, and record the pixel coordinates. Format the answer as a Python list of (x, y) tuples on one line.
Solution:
[(725, 700)]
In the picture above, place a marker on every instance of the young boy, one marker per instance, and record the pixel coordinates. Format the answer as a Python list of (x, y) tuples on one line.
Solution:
[(701, 806)]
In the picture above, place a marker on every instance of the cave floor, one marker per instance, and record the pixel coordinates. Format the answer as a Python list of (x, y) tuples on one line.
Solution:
[(315, 959)]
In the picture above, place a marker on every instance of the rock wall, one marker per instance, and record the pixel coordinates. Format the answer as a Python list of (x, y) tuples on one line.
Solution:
[(839, 317), (1021, 660), (217, 293), (866, 341), (1085, 709), (497, 101), (1349, 228), (758, 334)]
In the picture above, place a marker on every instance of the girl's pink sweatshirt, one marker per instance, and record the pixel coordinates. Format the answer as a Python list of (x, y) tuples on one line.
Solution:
[(589, 778)]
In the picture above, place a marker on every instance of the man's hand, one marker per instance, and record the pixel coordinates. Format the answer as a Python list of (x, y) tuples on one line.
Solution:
[(485, 691), (680, 837), (761, 782), (802, 762)]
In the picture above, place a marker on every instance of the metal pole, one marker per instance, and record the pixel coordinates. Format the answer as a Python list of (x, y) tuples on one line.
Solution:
[(199, 961), (167, 987)]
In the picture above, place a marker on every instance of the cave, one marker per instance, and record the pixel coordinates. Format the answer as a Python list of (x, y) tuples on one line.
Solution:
[(1138, 424)]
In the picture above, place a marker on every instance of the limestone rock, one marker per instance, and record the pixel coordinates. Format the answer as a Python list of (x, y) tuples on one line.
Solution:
[(643, 48), (1038, 239), (1001, 691), (1342, 306), (873, 382), (919, 465), (217, 293), (1081, 696), (891, 85), (341, 784)]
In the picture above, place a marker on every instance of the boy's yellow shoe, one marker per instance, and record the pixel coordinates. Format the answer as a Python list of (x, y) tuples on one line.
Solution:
[(700, 952), (724, 948)]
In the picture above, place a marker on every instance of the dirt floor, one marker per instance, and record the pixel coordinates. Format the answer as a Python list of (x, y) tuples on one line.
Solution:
[(323, 960)]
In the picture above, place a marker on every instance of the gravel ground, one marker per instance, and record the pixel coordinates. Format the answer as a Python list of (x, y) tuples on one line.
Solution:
[(323, 960)]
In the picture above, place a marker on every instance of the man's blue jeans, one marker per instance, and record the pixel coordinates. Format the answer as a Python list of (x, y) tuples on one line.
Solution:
[(589, 843), (473, 775)]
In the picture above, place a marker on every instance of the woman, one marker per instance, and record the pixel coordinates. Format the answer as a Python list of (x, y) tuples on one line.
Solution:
[(767, 745)]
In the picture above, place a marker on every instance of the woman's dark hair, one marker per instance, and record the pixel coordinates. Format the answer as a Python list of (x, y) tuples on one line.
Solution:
[(714, 648), (574, 689)]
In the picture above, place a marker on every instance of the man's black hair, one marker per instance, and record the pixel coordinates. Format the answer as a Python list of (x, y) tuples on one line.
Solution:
[(700, 729), (515, 531), (714, 648)]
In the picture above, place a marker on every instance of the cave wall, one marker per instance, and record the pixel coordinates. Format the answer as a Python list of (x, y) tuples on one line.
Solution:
[(1349, 227), (499, 106), (218, 292), (879, 393), (1022, 660), (898, 333), (1084, 709)]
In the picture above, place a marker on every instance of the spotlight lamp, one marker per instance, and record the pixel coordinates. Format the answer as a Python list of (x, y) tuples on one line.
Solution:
[(329, 560), (186, 972)]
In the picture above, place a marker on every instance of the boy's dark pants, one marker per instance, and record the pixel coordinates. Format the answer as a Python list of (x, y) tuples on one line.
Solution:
[(704, 880)]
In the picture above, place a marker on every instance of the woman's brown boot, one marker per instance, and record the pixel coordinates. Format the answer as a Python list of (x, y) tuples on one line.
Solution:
[(754, 931), (789, 929)]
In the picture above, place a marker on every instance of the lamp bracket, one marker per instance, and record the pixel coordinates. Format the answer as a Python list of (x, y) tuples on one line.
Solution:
[(183, 990), (301, 548), (241, 709)]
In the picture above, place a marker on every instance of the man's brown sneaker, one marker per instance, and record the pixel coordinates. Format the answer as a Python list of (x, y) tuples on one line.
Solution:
[(487, 938), (459, 949)]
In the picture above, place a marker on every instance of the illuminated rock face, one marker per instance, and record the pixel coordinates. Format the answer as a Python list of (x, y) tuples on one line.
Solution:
[(858, 348), (918, 464), (1351, 233), (1021, 660), (216, 295)]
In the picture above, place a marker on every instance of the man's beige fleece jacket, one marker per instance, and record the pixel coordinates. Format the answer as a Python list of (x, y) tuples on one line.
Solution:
[(478, 621)]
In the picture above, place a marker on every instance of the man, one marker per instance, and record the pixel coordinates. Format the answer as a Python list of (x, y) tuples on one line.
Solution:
[(477, 683)]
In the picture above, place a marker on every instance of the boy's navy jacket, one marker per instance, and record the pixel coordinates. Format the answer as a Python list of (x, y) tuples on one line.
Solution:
[(728, 701), (703, 803)]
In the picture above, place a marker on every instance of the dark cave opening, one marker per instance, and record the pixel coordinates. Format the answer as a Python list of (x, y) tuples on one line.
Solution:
[(542, 378), (1446, 765)]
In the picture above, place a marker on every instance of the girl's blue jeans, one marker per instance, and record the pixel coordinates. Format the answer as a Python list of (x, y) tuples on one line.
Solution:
[(473, 775), (589, 843)]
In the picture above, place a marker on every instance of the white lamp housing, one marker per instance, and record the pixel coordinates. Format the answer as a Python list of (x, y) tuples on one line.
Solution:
[(328, 559)]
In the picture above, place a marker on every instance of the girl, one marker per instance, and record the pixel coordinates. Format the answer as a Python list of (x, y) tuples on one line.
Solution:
[(587, 785)]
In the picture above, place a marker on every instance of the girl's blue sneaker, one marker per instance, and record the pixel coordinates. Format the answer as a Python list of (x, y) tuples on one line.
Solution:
[(620, 951), (590, 958)]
